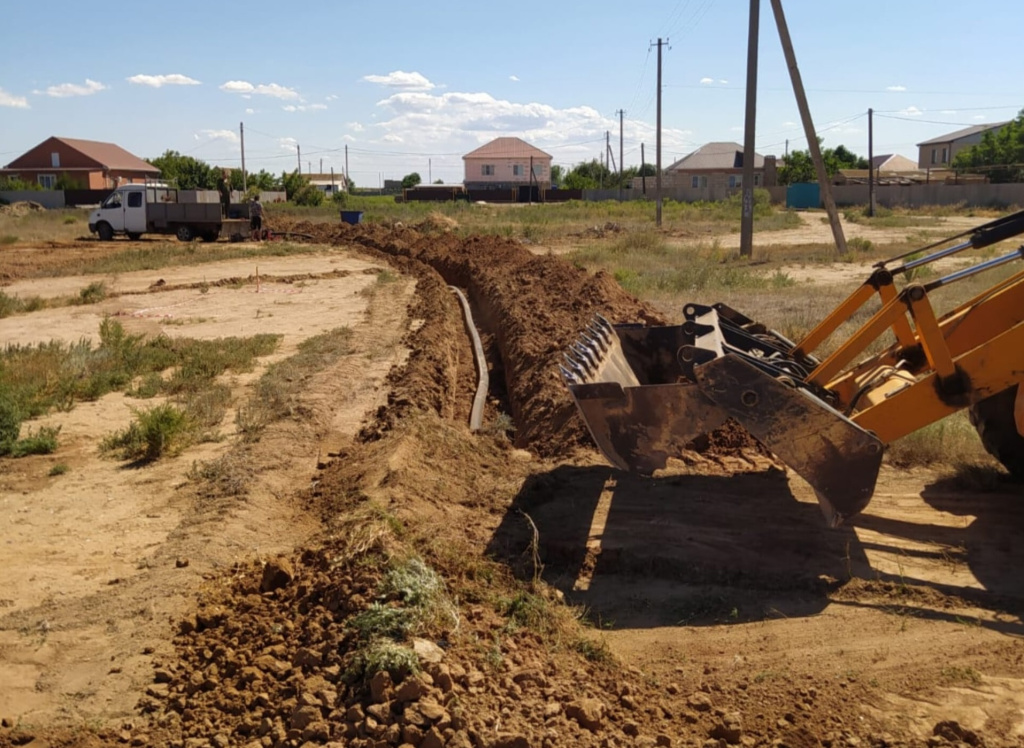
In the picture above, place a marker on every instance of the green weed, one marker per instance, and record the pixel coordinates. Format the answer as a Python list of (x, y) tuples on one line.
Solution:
[(60, 468), (94, 293), (163, 430)]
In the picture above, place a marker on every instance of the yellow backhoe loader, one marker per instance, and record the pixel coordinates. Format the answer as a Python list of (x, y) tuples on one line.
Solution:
[(646, 392)]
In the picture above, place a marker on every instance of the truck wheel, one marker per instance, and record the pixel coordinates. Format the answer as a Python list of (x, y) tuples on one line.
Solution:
[(105, 232), (995, 423), (210, 236), (185, 234), (134, 236)]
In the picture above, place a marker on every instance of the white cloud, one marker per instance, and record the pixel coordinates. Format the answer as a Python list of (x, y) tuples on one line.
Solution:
[(979, 117), (895, 88), (789, 124), (157, 81), (514, 78), (736, 129), (911, 111), (245, 88), (348, 138), (723, 81), (456, 122), (948, 111), (250, 110), (229, 135), (304, 107), (64, 90), (288, 144), (17, 102), (355, 127), (706, 81), (400, 79), (332, 97)]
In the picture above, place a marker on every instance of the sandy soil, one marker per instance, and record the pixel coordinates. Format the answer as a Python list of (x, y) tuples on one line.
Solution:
[(94, 558), (733, 616)]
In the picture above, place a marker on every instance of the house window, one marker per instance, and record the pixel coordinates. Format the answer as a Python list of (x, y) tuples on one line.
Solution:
[(55, 160), (933, 155), (943, 155), (518, 170), (487, 170), (47, 181), (757, 180), (538, 171), (703, 182), (735, 181), (694, 182)]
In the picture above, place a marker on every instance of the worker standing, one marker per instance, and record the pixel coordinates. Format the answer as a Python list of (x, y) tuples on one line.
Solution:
[(224, 187), (256, 218)]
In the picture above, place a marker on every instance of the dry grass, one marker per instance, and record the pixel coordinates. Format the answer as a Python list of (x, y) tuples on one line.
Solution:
[(41, 226)]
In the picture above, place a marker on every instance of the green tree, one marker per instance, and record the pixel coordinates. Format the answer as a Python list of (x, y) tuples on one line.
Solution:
[(299, 190), (999, 155), (588, 175), (799, 167), (411, 180), (438, 181), (557, 174), (186, 172)]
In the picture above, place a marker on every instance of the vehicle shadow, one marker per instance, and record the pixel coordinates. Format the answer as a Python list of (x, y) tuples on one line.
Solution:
[(671, 549), (709, 549)]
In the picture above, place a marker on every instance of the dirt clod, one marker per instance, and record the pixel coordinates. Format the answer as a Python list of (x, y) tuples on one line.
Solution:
[(277, 573)]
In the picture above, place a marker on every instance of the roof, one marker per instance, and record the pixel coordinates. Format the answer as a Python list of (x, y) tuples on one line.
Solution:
[(965, 133), (507, 148), (715, 157), (893, 162), (107, 155)]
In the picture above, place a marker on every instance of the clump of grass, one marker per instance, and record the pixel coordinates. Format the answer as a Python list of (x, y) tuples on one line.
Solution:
[(163, 430), (859, 244), (593, 650), (383, 655), (276, 393), (8, 239), (61, 468), (42, 442), (68, 220), (16, 305), (936, 443), (228, 475), (94, 293)]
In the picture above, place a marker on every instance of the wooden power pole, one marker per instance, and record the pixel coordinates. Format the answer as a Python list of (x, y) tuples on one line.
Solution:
[(871, 163), (749, 128), (241, 135), (808, 123), (622, 165)]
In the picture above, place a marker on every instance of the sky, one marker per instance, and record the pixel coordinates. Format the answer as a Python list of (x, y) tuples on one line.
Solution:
[(413, 86)]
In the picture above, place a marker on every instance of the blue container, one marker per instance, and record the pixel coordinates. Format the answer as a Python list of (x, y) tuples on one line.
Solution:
[(352, 216)]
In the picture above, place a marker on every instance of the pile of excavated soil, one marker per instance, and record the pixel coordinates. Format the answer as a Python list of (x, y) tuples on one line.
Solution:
[(20, 209), (534, 307)]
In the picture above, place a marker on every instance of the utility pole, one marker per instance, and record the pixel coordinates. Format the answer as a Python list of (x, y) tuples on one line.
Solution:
[(871, 163), (657, 176), (241, 135), (643, 171), (333, 190), (430, 167), (787, 147), (749, 126), (808, 123), (321, 167), (346, 169), (622, 164), (298, 156)]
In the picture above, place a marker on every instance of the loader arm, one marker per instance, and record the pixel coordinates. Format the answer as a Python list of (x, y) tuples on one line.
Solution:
[(646, 392)]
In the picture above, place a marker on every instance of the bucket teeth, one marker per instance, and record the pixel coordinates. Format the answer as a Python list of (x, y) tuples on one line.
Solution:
[(568, 376)]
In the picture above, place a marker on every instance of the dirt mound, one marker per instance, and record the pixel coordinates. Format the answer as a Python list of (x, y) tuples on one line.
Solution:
[(534, 307), (20, 209)]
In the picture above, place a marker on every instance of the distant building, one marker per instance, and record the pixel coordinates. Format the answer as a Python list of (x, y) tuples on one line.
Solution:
[(87, 163), (714, 171), (892, 163), (938, 153), (505, 163), (329, 184)]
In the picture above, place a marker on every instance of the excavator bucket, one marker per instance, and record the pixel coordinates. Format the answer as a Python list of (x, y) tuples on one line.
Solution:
[(645, 393)]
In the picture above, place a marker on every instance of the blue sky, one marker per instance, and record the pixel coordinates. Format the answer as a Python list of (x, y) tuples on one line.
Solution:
[(413, 86)]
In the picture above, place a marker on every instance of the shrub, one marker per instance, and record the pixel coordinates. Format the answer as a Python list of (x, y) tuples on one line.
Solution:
[(59, 469), (42, 442), (163, 430), (94, 293)]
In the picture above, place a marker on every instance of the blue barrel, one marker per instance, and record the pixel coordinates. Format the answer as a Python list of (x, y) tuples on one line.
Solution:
[(352, 216)]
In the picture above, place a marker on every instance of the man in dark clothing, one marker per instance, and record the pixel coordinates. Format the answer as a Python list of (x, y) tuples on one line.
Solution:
[(225, 192), (256, 218)]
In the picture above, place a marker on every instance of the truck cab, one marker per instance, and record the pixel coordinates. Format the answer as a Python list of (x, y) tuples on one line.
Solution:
[(122, 212)]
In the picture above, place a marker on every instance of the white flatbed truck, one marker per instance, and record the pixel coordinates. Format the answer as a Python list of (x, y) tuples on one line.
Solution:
[(137, 209)]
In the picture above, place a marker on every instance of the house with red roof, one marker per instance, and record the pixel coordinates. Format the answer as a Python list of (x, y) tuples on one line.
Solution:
[(89, 164), (507, 163)]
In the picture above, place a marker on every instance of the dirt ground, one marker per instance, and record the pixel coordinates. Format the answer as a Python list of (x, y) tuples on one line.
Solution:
[(136, 611)]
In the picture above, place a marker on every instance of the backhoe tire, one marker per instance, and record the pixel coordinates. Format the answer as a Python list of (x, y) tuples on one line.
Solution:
[(994, 421)]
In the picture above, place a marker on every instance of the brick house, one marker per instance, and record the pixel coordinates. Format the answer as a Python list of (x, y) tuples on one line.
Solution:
[(714, 171), (88, 163), (938, 153), (505, 163)]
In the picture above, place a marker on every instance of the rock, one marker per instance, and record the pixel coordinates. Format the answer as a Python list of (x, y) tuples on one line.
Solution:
[(700, 702), (663, 740), (432, 710), (427, 651), (631, 728), (303, 716), (587, 712), (729, 729), (509, 740), (672, 689), (411, 689), (380, 686), (552, 710), (380, 712), (180, 563), (307, 658), (277, 573), (954, 733), (432, 739)]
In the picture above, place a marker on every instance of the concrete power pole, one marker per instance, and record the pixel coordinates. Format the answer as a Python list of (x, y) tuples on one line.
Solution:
[(298, 156), (347, 183), (241, 135), (749, 127), (657, 176), (871, 162), (643, 170), (622, 165), (808, 123)]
